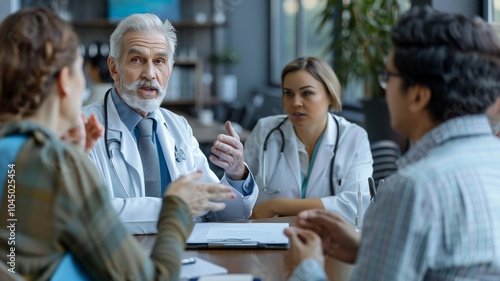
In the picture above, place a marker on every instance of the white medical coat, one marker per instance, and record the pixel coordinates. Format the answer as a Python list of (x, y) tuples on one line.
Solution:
[(139, 213), (353, 164)]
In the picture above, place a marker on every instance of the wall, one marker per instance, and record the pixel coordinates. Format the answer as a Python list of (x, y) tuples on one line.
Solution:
[(7, 7), (248, 33), (465, 7)]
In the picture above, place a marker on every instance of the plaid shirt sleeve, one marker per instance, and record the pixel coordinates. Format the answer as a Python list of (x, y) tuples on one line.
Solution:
[(62, 207)]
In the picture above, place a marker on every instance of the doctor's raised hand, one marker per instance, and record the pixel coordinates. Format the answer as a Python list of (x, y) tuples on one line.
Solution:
[(229, 152)]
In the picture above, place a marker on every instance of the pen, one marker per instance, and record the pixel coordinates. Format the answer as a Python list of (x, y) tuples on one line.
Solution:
[(359, 211), (188, 261), (373, 190)]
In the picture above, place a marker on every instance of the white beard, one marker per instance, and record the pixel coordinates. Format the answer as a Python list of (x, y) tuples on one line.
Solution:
[(130, 95)]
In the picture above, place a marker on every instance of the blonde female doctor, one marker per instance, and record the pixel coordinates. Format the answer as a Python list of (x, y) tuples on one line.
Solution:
[(309, 158)]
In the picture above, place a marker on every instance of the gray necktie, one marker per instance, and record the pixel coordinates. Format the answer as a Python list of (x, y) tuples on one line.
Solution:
[(149, 157)]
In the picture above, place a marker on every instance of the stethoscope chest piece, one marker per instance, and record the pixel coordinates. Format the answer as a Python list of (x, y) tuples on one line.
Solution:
[(179, 154)]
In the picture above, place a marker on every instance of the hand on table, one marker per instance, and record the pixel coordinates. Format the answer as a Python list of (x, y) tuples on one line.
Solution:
[(340, 239), (229, 152), (197, 195)]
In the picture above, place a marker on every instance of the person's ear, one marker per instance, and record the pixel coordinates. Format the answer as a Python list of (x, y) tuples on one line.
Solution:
[(63, 81), (113, 69), (331, 102), (419, 97), (496, 107)]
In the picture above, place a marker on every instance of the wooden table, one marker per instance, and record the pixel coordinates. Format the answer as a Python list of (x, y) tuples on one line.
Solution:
[(269, 265)]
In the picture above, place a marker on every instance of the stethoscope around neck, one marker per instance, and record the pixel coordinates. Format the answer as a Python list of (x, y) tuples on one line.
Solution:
[(265, 181), (179, 153)]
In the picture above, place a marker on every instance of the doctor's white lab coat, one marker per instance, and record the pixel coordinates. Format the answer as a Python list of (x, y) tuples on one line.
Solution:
[(139, 213), (353, 165)]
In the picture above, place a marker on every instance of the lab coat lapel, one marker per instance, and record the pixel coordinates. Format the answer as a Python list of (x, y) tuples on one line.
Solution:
[(167, 142), (323, 156), (290, 151), (128, 147)]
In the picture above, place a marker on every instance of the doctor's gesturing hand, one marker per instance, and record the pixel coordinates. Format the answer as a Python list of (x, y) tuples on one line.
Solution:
[(229, 152), (197, 195)]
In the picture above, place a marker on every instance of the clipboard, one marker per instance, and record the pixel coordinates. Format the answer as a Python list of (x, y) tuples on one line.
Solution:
[(238, 236), (227, 277)]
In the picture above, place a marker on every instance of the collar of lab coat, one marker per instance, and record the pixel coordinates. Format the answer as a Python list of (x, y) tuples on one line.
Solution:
[(323, 156), (325, 152)]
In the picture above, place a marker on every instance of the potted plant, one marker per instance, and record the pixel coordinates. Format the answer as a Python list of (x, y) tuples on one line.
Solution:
[(360, 44)]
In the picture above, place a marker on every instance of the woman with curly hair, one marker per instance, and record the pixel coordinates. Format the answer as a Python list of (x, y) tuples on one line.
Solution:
[(54, 210)]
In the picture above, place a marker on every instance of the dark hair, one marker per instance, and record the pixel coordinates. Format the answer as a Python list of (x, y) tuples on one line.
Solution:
[(457, 57), (35, 44), (322, 72)]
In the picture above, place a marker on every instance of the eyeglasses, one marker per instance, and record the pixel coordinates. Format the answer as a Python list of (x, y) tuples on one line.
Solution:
[(383, 76)]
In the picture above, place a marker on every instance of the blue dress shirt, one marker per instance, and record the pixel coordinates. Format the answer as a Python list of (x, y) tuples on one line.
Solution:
[(131, 118)]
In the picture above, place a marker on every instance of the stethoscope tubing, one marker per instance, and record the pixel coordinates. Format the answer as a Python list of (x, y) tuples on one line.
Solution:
[(264, 165), (110, 156), (179, 153)]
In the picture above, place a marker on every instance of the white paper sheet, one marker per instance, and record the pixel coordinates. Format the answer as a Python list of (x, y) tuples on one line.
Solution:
[(264, 233), (200, 268)]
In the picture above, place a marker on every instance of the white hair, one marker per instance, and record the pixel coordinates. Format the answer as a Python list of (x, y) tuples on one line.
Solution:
[(144, 23)]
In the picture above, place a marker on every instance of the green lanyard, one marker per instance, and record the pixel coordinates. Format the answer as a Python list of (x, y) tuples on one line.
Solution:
[(305, 180)]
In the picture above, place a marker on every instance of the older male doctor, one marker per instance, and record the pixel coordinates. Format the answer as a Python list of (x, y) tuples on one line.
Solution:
[(146, 147)]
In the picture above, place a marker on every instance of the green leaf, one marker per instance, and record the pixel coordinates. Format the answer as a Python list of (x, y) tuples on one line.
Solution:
[(362, 52)]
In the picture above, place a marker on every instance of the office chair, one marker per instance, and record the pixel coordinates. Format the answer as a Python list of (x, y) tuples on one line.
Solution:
[(384, 153), (263, 104)]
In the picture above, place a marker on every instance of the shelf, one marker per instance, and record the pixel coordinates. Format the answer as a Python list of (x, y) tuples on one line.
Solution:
[(96, 23), (178, 102), (186, 62), (195, 24)]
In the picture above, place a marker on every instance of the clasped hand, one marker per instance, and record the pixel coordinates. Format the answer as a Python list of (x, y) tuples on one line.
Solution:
[(324, 230)]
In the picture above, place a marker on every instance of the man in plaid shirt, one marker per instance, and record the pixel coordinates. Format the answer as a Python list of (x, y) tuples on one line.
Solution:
[(436, 218)]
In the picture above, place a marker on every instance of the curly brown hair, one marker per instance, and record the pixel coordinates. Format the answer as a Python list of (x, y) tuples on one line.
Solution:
[(35, 44)]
